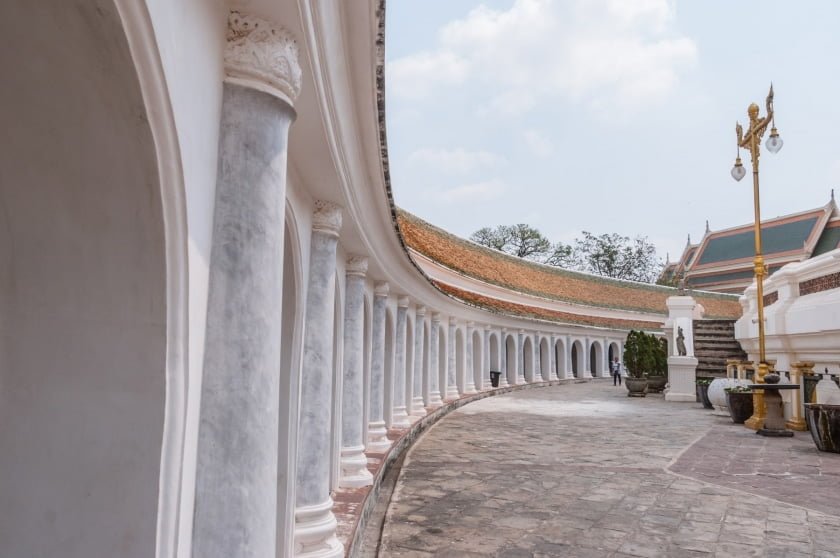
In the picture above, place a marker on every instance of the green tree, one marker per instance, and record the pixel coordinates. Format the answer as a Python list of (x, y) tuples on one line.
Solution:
[(521, 240), (619, 257)]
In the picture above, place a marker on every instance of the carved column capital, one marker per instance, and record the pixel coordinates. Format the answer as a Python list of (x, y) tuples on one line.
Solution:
[(436, 318), (402, 301), (421, 311), (262, 55), (357, 265), (381, 289), (453, 320), (326, 217)]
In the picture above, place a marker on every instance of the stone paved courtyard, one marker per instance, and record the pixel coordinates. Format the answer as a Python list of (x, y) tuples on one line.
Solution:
[(582, 470)]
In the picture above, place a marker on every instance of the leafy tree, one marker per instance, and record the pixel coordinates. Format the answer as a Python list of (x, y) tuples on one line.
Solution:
[(619, 257), (523, 241), (608, 255)]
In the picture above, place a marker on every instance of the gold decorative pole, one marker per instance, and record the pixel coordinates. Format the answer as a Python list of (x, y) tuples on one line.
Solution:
[(797, 371), (751, 141)]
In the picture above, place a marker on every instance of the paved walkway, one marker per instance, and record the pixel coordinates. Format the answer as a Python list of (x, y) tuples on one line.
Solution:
[(582, 470)]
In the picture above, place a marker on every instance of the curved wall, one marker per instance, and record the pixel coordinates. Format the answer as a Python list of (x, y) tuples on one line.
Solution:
[(83, 369)]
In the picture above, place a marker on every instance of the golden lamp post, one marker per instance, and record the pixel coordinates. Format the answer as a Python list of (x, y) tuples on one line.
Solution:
[(751, 141)]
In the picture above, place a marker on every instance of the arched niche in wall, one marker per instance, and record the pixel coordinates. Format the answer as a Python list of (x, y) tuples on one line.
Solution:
[(84, 327)]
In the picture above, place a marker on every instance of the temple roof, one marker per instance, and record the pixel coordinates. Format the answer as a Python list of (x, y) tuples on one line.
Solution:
[(549, 282), (723, 260)]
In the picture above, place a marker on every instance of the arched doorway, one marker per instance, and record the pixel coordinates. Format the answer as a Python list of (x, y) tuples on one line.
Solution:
[(559, 359), (596, 359), (612, 353), (528, 359), (578, 360)]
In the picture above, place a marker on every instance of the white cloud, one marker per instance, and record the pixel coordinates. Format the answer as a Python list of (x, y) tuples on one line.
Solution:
[(455, 161), (476, 192), (416, 75), (613, 53), (538, 143)]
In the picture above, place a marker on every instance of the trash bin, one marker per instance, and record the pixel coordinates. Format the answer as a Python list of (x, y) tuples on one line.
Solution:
[(494, 378)]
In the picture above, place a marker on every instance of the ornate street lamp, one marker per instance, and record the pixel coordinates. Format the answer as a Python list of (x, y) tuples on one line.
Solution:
[(751, 141)]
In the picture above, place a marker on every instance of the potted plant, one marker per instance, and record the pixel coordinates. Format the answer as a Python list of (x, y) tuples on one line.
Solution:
[(824, 421), (740, 401), (703, 392), (658, 371), (636, 361)]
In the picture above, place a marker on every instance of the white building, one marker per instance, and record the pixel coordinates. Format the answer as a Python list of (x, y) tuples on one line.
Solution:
[(208, 313)]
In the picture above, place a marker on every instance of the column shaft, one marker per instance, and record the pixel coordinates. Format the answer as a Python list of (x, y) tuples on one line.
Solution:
[(451, 368), (354, 471), (239, 419), (417, 407), (435, 400), (315, 523), (400, 416), (377, 433)]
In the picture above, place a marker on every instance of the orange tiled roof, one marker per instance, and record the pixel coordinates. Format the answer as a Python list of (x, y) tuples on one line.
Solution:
[(506, 307), (521, 275)]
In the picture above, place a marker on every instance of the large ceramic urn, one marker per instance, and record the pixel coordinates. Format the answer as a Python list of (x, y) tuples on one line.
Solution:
[(717, 393)]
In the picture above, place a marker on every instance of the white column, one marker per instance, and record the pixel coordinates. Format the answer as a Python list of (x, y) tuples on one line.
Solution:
[(605, 359), (503, 381), (520, 357), (434, 363), (315, 523), (377, 433), (417, 407), (485, 374), (237, 451), (469, 371), (567, 358), (586, 350), (451, 370), (552, 358), (354, 471), (400, 416), (537, 358)]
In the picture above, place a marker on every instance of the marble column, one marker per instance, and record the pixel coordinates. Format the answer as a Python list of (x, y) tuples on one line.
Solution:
[(236, 511), (503, 380), (537, 358), (354, 471), (520, 357), (553, 371), (315, 523), (377, 433), (469, 372), (435, 400), (485, 381), (400, 416), (418, 409), (567, 358), (451, 369)]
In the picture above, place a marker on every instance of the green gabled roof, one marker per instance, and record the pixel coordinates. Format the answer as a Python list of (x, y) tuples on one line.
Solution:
[(774, 239), (829, 240)]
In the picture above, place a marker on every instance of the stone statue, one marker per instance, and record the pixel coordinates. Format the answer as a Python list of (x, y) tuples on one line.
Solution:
[(681, 342)]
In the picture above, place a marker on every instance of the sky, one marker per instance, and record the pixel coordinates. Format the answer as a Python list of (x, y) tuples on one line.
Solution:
[(610, 116)]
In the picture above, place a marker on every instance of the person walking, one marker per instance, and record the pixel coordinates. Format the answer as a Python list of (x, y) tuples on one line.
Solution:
[(616, 371)]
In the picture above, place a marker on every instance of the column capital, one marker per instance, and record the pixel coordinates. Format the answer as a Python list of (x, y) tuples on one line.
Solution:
[(357, 265), (421, 311), (381, 289), (326, 217), (402, 301), (453, 321), (488, 327), (436, 317), (262, 55), (504, 331), (521, 332), (471, 324)]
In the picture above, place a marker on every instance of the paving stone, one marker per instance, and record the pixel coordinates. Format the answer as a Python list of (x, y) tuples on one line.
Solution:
[(581, 470)]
